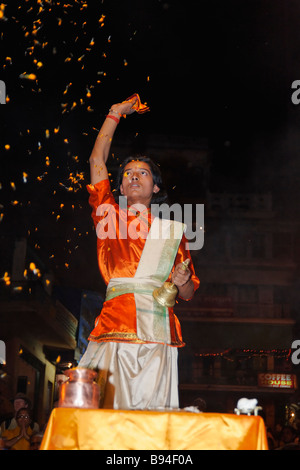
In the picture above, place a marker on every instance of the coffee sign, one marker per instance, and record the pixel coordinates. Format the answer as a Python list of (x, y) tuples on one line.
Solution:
[(274, 380)]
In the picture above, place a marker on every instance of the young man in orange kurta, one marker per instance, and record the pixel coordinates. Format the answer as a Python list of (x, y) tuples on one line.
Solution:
[(136, 357)]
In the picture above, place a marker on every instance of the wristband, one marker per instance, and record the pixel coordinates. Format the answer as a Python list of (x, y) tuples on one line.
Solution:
[(114, 118)]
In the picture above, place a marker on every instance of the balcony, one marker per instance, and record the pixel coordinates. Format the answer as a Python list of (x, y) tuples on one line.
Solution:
[(214, 308), (237, 370), (250, 205)]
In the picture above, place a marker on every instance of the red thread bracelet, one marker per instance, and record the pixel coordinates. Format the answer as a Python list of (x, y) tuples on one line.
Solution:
[(114, 118)]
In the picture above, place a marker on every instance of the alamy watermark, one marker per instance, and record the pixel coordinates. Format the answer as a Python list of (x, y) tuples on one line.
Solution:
[(2, 92), (2, 352), (295, 356), (114, 224)]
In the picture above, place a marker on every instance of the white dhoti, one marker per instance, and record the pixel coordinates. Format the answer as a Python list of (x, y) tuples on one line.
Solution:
[(134, 376)]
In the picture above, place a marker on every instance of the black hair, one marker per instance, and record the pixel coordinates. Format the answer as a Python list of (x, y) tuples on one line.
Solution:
[(28, 411), (157, 198)]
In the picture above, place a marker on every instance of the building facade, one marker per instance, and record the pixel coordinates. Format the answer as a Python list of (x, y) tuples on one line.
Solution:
[(38, 332), (240, 326)]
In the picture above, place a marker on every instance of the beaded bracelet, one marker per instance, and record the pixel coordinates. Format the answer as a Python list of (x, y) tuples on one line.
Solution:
[(114, 112), (114, 118)]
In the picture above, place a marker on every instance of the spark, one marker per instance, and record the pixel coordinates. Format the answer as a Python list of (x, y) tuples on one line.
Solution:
[(34, 269), (28, 76), (67, 88), (101, 20), (2, 9), (39, 51), (6, 279), (40, 178)]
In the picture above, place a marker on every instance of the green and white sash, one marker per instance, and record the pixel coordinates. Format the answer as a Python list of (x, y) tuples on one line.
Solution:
[(154, 267)]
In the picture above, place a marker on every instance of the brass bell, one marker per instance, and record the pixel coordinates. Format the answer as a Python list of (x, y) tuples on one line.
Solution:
[(166, 294)]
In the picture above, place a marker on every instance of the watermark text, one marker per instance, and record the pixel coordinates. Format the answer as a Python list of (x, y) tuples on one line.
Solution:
[(115, 222), (2, 92), (2, 352)]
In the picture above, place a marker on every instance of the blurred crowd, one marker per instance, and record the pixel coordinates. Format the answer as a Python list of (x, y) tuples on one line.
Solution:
[(20, 432), (284, 437)]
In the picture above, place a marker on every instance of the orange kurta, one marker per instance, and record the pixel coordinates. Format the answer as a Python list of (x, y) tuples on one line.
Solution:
[(22, 444), (118, 256)]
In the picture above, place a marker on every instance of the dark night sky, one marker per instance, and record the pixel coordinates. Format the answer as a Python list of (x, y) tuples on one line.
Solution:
[(207, 68)]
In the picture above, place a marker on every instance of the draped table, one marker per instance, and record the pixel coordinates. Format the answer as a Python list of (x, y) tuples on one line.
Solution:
[(84, 429)]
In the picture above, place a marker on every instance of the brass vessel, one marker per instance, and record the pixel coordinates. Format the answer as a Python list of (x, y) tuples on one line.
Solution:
[(166, 294), (81, 390)]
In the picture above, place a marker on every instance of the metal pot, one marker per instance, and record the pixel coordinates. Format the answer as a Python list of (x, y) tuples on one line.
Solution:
[(80, 390)]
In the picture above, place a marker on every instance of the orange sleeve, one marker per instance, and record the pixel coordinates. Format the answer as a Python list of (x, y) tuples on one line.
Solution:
[(100, 195)]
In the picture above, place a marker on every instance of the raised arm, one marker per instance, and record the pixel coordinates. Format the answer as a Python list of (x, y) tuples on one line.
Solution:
[(103, 142)]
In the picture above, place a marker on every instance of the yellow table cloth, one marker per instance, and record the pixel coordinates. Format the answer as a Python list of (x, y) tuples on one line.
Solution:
[(81, 429)]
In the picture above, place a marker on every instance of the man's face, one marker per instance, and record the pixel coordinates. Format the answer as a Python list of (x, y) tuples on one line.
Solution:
[(23, 417), (20, 403), (35, 443), (137, 183)]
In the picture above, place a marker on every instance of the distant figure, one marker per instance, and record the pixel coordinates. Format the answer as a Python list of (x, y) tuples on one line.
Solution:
[(20, 401), (36, 440), (19, 437)]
